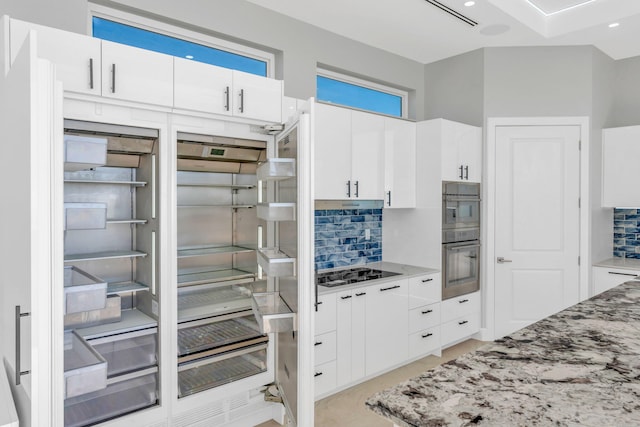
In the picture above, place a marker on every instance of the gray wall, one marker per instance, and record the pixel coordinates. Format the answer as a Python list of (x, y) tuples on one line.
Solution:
[(299, 47), (626, 110)]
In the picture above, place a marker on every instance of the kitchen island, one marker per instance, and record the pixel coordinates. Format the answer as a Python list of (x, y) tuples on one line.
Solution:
[(579, 367)]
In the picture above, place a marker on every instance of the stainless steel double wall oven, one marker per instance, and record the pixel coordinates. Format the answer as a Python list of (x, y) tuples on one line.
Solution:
[(460, 238)]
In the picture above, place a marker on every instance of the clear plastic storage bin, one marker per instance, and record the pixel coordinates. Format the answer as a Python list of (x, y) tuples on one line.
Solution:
[(276, 169), (83, 291), (277, 211), (85, 216), (85, 370), (276, 263), (84, 152), (128, 352), (272, 313)]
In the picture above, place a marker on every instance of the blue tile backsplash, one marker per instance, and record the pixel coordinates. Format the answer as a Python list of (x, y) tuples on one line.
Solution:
[(626, 233), (340, 237)]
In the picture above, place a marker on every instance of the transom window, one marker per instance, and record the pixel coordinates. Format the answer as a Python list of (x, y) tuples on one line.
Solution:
[(352, 92), (181, 43)]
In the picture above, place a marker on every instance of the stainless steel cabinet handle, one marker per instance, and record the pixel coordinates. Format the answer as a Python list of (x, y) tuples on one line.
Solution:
[(346, 297), (113, 78), (389, 195), (360, 294), (623, 274), (357, 193), (463, 322), (501, 260), (427, 280), (19, 316), (427, 311), (461, 167), (427, 335), (349, 188), (242, 100), (462, 301), (318, 343), (388, 289), (90, 73), (317, 374), (226, 99), (466, 172)]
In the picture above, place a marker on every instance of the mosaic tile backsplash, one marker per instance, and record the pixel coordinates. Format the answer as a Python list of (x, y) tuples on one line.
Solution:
[(626, 233), (340, 237)]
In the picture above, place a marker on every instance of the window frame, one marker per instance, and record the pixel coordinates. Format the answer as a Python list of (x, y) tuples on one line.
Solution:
[(152, 25), (356, 81)]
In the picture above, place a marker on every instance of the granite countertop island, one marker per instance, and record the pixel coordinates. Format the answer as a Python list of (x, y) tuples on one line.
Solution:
[(579, 367)]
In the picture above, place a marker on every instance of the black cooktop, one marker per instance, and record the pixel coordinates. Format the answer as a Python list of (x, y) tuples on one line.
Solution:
[(353, 275)]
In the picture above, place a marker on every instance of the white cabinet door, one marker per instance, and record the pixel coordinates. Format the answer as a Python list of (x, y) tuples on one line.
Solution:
[(30, 256), (399, 163), (606, 278), (326, 314), (358, 333), (425, 290), (461, 152), (137, 75), (332, 152), (367, 150), (202, 87), (620, 154), (387, 325), (77, 57), (344, 337), (256, 97)]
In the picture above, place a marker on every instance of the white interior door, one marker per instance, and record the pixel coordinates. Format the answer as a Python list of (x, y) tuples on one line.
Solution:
[(537, 223), (29, 100)]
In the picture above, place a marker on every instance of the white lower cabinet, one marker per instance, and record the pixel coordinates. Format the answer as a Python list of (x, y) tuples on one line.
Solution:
[(326, 314), (325, 377), (325, 348), (425, 317), (350, 328), (460, 318), (424, 342), (605, 278), (386, 315)]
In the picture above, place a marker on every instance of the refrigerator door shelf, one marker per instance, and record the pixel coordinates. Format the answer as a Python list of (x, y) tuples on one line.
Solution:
[(276, 169), (276, 263), (272, 313)]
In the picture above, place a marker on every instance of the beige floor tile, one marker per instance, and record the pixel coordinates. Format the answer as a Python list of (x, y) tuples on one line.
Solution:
[(347, 408)]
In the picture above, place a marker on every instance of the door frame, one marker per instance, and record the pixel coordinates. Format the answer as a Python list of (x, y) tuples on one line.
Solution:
[(487, 332)]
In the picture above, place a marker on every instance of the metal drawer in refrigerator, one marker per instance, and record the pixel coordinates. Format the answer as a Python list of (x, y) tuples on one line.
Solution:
[(119, 398)]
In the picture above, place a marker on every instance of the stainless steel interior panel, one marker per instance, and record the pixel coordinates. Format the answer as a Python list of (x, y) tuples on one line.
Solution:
[(221, 140), (95, 128), (208, 226)]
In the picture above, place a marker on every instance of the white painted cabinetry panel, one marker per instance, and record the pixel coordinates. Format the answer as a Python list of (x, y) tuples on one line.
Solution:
[(424, 290), (256, 97), (386, 315), (332, 152), (325, 347), (399, 163), (461, 151), (460, 306), (325, 377), (202, 87), (424, 342), (620, 154), (367, 150), (326, 314), (424, 317), (605, 278)]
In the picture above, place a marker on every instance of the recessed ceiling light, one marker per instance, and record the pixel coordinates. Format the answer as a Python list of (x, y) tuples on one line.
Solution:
[(613, 25), (469, 3), (189, 56)]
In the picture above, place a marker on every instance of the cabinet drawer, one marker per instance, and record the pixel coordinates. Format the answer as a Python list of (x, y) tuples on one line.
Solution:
[(424, 290), (607, 278), (460, 328), (460, 306), (325, 348), (424, 317), (326, 314), (424, 342), (325, 377)]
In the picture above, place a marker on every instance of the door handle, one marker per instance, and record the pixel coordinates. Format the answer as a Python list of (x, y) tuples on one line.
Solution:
[(501, 260), (242, 100), (389, 194), (90, 73), (226, 99), (113, 78), (349, 188), (461, 168), (357, 193), (19, 372), (466, 173)]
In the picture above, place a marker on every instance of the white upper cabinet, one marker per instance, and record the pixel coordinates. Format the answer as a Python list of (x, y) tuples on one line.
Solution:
[(620, 154), (138, 75), (367, 150), (257, 97), (349, 150), (202, 87), (461, 151), (399, 163), (77, 57), (332, 152)]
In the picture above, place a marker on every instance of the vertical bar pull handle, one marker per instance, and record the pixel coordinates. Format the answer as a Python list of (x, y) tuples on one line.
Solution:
[(90, 73), (113, 78), (242, 100), (349, 188), (389, 195), (19, 372), (357, 193), (461, 175), (466, 172), (226, 99)]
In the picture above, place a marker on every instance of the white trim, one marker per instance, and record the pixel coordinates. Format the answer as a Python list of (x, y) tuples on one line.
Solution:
[(403, 94), (180, 33), (489, 195)]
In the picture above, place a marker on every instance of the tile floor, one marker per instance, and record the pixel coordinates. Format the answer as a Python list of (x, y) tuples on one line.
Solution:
[(347, 408)]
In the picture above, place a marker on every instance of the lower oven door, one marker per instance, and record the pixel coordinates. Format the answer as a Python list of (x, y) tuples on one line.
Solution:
[(461, 267)]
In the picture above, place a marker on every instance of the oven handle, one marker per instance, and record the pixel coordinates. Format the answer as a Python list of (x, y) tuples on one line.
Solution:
[(461, 245), (449, 198)]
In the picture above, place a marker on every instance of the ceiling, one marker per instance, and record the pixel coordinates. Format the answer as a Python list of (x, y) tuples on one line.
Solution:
[(424, 32)]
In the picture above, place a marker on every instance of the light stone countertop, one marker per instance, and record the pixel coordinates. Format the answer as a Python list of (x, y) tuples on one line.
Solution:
[(405, 271), (619, 262), (579, 367)]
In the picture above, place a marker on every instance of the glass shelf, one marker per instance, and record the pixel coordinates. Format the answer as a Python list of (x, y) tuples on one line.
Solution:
[(199, 278), (218, 206), (122, 287), (126, 221), (231, 186), (211, 250), (104, 255), (100, 181)]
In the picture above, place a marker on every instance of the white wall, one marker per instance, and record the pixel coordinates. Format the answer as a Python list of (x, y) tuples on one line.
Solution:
[(626, 109)]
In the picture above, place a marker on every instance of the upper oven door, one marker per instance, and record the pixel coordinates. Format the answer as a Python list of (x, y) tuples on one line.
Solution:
[(460, 212)]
